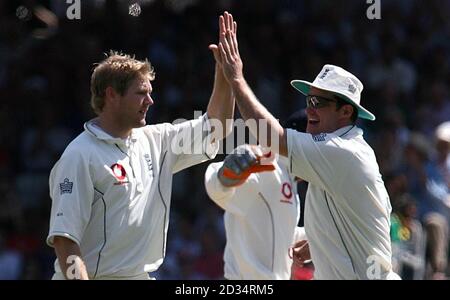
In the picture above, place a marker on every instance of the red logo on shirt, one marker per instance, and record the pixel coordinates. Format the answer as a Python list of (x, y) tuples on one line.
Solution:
[(286, 190), (120, 173)]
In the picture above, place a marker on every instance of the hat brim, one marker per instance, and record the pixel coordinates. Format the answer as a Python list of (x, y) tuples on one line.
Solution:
[(304, 86)]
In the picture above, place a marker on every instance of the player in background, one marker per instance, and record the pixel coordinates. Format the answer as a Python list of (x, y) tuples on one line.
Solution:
[(262, 210), (111, 188), (347, 206)]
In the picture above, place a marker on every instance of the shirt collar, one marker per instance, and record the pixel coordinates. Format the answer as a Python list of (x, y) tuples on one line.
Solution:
[(348, 131), (96, 131)]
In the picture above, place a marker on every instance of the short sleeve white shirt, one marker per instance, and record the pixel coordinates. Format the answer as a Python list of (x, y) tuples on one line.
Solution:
[(347, 207)]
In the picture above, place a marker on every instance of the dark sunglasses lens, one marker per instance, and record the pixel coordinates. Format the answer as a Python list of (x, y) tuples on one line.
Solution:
[(312, 101), (317, 102)]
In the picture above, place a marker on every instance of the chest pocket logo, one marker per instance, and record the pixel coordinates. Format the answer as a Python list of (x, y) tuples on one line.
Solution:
[(120, 173)]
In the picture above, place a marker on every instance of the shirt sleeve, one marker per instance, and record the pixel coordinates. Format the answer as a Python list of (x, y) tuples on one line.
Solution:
[(191, 142), (235, 200), (320, 160), (72, 193)]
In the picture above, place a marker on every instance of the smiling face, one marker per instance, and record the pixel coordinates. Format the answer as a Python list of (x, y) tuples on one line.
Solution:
[(132, 107), (328, 118)]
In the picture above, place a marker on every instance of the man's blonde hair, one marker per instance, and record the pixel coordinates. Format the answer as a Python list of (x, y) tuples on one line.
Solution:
[(117, 71)]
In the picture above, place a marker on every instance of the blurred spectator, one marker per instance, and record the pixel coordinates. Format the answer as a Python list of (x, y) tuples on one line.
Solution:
[(442, 136), (11, 261), (435, 108), (11, 210), (210, 262), (408, 239), (429, 188), (40, 148), (389, 67), (391, 140)]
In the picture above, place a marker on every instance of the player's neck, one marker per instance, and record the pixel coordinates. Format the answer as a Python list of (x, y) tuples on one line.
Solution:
[(113, 127)]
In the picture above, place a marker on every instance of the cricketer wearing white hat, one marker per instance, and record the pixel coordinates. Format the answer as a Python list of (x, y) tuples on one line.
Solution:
[(347, 207), (341, 83)]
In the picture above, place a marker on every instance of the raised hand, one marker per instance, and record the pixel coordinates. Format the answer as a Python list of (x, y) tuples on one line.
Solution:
[(300, 253), (224, 25), (229, 50)]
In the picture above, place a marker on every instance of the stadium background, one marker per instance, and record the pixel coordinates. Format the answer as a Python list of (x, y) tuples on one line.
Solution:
[(46, 61)]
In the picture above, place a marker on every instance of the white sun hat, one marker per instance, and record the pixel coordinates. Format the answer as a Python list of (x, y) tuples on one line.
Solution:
[(340, 82)]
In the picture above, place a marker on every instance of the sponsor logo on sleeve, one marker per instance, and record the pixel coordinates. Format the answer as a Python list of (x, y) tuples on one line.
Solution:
[(65, 187)]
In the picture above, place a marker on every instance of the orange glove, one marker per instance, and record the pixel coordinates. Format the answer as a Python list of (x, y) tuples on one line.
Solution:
[(241, 163)]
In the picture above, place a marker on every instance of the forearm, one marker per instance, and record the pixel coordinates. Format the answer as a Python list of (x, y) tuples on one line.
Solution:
[(221, 105), (267, 129), (251, 109), (69, 258)]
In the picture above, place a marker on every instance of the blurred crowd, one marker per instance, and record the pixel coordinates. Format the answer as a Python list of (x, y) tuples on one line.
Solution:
[(403, 59)]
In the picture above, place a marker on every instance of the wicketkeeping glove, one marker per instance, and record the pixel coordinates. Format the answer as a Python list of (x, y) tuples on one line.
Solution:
[(240, 164)]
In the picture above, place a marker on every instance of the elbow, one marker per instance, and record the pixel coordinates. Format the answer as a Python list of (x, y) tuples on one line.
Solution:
[(60, 241), (65, 247)]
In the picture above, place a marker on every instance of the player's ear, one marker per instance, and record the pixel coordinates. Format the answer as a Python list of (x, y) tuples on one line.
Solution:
[(347, 111), (110, 92), (111, 95)]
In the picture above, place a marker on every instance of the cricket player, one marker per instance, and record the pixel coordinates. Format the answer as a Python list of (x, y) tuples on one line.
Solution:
[(111, 188), (262, 209), (347, 206)]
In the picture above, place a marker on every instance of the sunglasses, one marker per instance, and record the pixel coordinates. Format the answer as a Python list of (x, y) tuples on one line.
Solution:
[(318, 101)]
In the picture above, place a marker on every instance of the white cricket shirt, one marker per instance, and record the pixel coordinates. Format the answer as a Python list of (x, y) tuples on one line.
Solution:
[(112, 197), (347, 206), (260, 219)]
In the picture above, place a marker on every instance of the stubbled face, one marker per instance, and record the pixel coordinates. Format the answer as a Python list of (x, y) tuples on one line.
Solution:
[(325, 119), (134, 104)]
